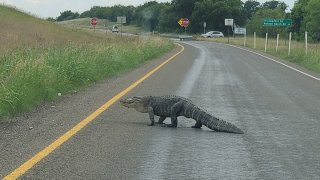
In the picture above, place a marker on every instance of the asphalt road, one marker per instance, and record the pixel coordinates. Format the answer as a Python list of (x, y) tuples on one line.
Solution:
[(276, 107)]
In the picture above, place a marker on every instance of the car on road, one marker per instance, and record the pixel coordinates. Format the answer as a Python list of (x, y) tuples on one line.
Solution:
[(115, 29), (212, 34)]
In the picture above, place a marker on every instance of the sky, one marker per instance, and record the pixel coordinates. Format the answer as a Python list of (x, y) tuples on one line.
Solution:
[(52, 8)]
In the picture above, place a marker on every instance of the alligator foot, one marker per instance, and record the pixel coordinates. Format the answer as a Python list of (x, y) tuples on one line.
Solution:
[(196, 127), (169, 125)]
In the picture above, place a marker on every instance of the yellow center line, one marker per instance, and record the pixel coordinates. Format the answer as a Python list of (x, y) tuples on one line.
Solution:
[(65, 137)]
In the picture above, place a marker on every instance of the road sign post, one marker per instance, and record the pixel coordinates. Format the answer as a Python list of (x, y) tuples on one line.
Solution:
[(228, 22), (204, 27), (121, 20)]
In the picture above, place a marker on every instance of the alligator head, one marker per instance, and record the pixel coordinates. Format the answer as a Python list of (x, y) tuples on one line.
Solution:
[(139, 103)]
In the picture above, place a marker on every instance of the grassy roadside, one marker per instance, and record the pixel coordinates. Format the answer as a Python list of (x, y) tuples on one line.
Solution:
[(39, 59), (310, 61)]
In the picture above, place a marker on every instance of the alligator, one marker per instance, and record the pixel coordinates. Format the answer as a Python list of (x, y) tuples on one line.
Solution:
[(174, 106)]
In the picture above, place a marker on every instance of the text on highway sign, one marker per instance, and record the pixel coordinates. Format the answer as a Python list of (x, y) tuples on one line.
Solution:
[(277, 22)]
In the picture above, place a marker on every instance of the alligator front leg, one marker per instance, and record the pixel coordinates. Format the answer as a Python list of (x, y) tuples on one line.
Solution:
[(151, 115), (174, 122)]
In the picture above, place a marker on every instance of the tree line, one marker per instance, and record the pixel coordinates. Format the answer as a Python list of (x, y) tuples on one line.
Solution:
[(163, 17)]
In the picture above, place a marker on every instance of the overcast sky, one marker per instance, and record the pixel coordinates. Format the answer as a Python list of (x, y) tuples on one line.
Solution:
[(52, 8)]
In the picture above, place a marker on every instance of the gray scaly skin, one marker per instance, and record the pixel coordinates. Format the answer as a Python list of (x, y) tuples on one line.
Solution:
[(174, 106)]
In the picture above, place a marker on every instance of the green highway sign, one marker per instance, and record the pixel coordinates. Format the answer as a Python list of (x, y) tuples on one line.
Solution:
[(277, 22)]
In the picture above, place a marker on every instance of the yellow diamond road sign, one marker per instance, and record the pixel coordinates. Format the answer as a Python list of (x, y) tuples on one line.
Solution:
[(180, 22), (184, 22)]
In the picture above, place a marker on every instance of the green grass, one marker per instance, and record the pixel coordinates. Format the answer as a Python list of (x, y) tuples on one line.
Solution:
[(310, 61), (39, 59)]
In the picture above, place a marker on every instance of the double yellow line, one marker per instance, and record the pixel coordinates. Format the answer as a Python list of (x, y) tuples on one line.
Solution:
[(65, 137)]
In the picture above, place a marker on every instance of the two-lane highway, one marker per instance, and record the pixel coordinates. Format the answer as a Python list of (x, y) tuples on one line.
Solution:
[(276, 107)]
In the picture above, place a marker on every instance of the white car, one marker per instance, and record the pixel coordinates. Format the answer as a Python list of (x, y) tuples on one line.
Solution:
[(213, 34), (115, 29)]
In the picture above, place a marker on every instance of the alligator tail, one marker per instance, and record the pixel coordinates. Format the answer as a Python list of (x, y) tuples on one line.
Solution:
[(214, 123), (220, 125)]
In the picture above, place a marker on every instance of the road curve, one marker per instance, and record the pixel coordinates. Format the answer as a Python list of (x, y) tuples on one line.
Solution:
[(276, 107)]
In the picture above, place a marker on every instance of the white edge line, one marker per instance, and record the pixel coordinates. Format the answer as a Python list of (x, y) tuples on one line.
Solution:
[(297, 70)]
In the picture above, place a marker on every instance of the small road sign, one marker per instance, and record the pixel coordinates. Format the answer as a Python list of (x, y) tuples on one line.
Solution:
[(277, 22), (184, 22), (239, 30), (121, 19), (94, 21), (228, 22)]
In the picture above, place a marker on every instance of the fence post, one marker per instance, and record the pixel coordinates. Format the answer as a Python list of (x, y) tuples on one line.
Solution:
[(289, 49), (265, 44), (306, 37), (254, 40), (277, 43), (244, 39)]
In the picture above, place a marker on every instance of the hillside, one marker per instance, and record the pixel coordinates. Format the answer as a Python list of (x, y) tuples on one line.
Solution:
[(18, 28), (40, 60)]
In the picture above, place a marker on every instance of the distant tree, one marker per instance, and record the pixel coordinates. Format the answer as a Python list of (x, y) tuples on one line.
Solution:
[(275, 5), (67, 15), (51, 19), (168, 21), (312, 18), (120, 10), (147, 15), (203, 13), (183, 8), (85, 14), (213, 12), (237, 11), (111, 13), (298, 14), (250, 7)]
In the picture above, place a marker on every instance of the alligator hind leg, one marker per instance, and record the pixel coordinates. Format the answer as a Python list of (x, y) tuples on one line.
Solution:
[(197, 125), (175, 109)]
